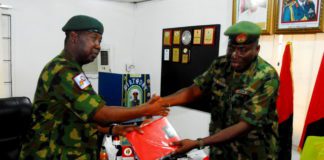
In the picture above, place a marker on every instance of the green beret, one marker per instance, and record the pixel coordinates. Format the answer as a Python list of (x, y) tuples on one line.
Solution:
[(83, 23), (243, 32)]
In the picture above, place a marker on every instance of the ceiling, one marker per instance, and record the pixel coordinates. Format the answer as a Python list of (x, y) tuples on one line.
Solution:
[(131, 1)]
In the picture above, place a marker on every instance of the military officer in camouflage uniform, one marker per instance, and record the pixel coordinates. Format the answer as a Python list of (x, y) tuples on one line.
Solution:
[(67, 112), (243, 90), (299, 10)]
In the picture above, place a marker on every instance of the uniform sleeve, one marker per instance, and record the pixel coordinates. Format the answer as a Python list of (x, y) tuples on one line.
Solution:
[(256, 109), (204, 81), (82, 102)]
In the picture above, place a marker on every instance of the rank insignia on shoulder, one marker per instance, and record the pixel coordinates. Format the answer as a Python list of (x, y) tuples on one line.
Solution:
[(82, 81)]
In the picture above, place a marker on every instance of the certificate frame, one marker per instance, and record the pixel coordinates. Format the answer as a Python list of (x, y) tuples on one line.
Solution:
[(256, 11), (176, 37), (167, 37), (176, 54), (284, 24), (197, 36), (166, 54), (209, 35), (185, 55)]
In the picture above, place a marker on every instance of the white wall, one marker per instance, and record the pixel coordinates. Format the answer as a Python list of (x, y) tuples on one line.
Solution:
[(37, 35)]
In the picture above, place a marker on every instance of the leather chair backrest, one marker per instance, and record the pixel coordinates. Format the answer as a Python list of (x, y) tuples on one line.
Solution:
[(15, 119)]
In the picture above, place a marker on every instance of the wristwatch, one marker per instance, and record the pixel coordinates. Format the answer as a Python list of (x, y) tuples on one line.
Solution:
[(200, 143)]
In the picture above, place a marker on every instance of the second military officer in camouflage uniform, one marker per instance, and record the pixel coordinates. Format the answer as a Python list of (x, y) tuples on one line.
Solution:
[(67, 112), (243, 91)]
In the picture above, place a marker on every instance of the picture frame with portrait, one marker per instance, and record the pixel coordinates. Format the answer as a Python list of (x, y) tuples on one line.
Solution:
[(298, 16), (256, 11)]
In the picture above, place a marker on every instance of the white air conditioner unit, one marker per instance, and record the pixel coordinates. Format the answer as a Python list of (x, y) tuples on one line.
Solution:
[(103, 60), (100, 64)]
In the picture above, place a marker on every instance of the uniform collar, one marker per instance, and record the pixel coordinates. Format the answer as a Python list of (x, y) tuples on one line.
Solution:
[(63, 56)]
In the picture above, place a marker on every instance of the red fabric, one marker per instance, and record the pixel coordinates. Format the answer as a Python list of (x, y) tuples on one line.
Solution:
[(206, 158), (285, 101), (154, 142), (316, 106)]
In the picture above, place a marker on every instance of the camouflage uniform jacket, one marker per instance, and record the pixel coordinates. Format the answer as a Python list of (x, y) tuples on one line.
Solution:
[(62, 113), (248, 96)]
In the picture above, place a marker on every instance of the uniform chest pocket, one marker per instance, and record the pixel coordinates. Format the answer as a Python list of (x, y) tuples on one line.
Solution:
[(219, 88), (241, 96)]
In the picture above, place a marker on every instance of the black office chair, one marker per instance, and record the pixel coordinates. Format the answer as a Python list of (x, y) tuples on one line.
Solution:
[(15, 119)]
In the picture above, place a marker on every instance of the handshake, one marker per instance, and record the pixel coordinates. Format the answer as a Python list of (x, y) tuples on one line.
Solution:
[(157, 106)]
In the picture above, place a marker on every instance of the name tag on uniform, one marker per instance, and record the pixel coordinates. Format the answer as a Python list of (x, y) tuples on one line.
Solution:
[(241, 91), (82, 81), (221, 83)]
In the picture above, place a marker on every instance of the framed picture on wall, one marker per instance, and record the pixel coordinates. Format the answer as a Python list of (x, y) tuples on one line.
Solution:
[(197, 36), (167, 35), (185, 55), (209, 33), (176, 37), (299, 16), (257, 11), (175, 55), (166, 54)]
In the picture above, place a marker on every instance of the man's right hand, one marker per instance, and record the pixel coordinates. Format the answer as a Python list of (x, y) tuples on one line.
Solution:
[(157, 106), (184, 146)]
